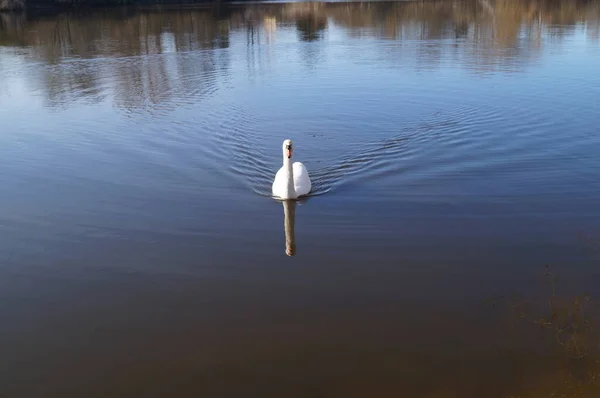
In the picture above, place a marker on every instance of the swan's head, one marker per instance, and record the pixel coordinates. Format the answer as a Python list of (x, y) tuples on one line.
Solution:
[(287, 149), (290, 250)]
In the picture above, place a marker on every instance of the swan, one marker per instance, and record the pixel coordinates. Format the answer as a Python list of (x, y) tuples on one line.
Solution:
[(292, 180)]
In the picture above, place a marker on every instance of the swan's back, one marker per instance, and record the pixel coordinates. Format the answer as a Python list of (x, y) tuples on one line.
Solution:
[(302, 184)]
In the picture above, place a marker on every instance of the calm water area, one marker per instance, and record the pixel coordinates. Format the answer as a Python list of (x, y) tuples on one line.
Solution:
[(450, 246)]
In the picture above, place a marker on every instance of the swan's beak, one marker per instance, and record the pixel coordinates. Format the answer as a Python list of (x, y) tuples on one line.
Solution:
[(288, 152)]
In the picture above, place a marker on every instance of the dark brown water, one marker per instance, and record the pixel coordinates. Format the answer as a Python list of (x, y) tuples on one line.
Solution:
[(454, 149)]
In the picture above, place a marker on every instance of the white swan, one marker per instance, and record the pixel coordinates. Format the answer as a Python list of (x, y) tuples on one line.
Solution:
[(292, 180)]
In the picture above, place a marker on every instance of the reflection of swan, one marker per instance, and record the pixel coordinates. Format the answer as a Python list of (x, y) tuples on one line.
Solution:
[(289, 215), (291, 181)]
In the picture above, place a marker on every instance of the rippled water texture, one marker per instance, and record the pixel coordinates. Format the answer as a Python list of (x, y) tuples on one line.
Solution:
[(445, 250)]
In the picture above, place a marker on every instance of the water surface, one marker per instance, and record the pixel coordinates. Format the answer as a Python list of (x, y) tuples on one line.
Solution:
[(453, 148)]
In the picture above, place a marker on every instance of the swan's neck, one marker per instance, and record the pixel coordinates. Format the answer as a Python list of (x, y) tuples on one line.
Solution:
[(289, 215), (287, 166)]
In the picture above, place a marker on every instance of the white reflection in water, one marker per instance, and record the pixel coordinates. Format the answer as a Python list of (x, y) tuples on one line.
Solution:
[(289, 215)]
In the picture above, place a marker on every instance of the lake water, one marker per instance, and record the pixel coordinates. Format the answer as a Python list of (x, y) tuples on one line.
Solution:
[(454, 149)]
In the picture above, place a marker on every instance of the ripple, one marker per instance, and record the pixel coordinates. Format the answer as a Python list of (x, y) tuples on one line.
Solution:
[(251, 165), (380, 157)]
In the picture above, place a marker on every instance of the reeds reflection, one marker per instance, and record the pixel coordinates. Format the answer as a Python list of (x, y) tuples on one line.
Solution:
[(485, 36), (567, 326), (500, 23)]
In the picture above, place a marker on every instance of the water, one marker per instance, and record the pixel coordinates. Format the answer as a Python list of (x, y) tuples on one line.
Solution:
[(453, 148)]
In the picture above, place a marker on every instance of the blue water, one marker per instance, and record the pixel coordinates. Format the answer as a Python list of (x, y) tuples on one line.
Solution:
[(453, 153)]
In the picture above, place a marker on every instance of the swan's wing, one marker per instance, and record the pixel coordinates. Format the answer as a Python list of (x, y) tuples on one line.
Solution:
[(279, 185), (302, 183)]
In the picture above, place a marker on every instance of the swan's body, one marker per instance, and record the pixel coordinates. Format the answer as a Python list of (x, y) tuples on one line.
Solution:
[(292, 180)]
